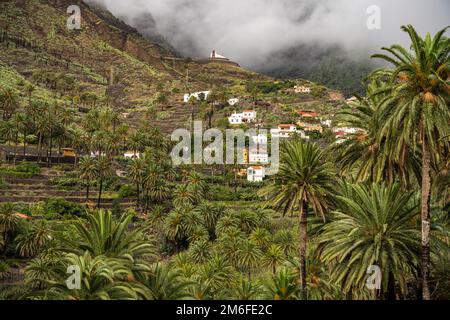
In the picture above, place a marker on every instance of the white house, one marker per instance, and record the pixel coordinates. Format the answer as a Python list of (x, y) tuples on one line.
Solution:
[(346, 130), (235, 119), (258, 156), (233, 101), (95, 154), (215, 55), (326, 123), (197, 95), (256, 173), (131, 155), (302, 89), (244, 117), (260, 139), (285, 131)]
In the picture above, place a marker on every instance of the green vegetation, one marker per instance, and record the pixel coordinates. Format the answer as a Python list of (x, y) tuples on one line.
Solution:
[(142, 228)]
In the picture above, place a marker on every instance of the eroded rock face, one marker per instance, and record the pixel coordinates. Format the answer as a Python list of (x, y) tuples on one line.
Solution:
[(146, 25)]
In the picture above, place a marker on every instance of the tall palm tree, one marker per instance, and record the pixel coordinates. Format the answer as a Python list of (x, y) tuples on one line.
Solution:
[(373, 225), (136, 171), (8, 131), (78, 137), (9, 222), (102, 279), (103, 171), (249, 256), (416, 109), (87, 168), (273, 257), (366, 154), (33, 239), (282, 286), (303, 181), (103, 235), (244, 289), (8, 102)]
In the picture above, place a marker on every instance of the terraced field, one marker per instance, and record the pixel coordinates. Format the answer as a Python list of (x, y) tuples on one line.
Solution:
[(40, 188)]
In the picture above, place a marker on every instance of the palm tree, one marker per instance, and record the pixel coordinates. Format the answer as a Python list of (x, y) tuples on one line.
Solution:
[(244, 289), (184, 194), (282, 286), (249, 256), (369, 156), (303, 181), (78, 141), (373, 225), (8, 130), (200, 251), (164, 283), (103, 171), (286, 240), (416, 109), (8, 102), (261, 237), (162, 100), (9, 222), (136, 171), (23, 123), (102, 279), (274, 257), (103, 235), (87, 168), (33, 239)]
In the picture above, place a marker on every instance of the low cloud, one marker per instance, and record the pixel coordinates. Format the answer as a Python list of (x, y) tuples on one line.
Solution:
[(251, 31)]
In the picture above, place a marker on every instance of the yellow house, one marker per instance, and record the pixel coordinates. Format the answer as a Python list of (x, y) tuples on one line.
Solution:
[(245, 154), (310, 126), (69, 152)]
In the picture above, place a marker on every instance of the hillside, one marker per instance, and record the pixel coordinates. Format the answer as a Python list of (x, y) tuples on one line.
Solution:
[(107, 62)]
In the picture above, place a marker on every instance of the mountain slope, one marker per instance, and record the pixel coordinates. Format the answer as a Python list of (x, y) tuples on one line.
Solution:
[(107, 60)]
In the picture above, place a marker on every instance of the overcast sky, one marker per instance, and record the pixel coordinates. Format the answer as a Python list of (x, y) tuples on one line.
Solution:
[(248, 31)]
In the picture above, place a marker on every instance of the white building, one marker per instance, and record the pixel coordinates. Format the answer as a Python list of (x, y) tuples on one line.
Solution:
[(215, 55), (256, 173), (95, 154), (197, 95), (233, 101), (258, 156), (286, 131), (326, 123), (260, 139), (302, 89), (346, 130), (245, 117), (131, 155)]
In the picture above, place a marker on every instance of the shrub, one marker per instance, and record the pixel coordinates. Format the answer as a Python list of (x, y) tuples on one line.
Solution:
[(30, 168), (56, 207), (4, 270), (126, 191)]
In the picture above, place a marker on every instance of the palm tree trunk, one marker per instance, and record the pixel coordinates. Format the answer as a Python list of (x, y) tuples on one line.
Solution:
[(24, 143), (425, 215), (100, 193), (87, 191), (302, 249), (39, 147), (138, 195)]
